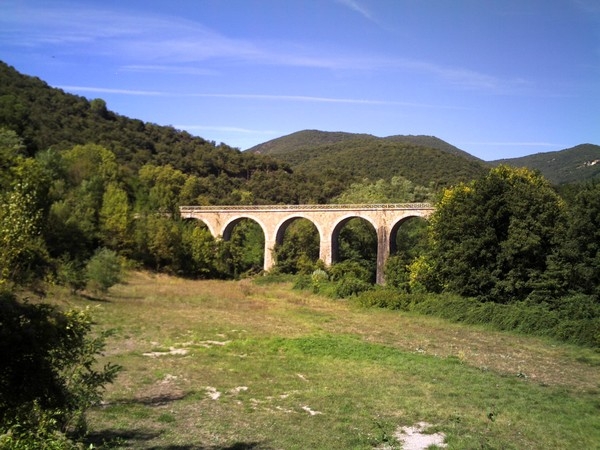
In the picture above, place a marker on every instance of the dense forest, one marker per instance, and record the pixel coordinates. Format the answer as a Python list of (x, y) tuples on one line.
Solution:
[(85, 192)]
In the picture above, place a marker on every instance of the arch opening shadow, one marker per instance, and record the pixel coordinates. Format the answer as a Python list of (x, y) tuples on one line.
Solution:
[(354, 240), (297, 246), (408, 241), (243, 247)]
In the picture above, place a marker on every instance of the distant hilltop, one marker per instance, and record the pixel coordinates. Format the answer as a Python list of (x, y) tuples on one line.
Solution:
[(331, 149)]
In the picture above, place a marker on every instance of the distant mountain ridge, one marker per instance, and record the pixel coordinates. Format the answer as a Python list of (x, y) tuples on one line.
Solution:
[(327, 150), (570, 165)]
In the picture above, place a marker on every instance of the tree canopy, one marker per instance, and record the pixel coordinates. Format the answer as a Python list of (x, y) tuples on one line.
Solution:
[(492, 238)]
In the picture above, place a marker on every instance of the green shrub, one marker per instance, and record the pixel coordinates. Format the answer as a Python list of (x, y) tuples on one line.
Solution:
[(383, 298), (574, 319), (349, 268), (274, 277), (104, 270), (303, 282), (318, 277), (349, 286), (48, 374), (72, 274), (396, 273)]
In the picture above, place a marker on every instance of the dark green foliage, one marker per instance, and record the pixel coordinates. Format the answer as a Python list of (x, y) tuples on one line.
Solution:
[(384, 298), (395, 190), (580, 249), (72, 274), (397, 273), (48, 373), (411, 242), (493, 238), (349, 268), (357, 246), (243, 253), (349, 286)]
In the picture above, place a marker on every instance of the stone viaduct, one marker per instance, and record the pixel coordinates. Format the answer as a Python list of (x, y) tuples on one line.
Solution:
[(328, 219)]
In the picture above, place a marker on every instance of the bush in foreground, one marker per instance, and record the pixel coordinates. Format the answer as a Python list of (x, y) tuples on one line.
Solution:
[(48, 374)]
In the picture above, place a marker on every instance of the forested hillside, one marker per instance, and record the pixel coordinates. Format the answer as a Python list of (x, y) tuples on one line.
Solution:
[(424, 160), (313, 138), (48, 118), (571, 165)]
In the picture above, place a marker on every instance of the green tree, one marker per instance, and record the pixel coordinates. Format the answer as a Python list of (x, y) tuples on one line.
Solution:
[(23, 249), (358, 244), (578, 260), (115, 217), (202, 249), (74, 220), (395, 190), (163, 187), (494, 237), (244, 252), (11, 149), (91, 161)]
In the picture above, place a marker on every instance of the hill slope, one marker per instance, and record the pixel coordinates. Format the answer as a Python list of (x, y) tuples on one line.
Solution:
[(312, 138), (571, 165), (47, 117), (424, 160)]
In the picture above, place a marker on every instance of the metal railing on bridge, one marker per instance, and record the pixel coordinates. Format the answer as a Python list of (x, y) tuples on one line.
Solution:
[(350, 207)]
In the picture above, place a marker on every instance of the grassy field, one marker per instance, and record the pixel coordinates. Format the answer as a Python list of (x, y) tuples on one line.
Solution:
[(236, 365)]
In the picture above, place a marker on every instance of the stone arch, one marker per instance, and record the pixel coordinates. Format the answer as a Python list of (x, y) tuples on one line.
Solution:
[(335, 232), (229, 226), (282, 227), (206, 223), (396, 226)]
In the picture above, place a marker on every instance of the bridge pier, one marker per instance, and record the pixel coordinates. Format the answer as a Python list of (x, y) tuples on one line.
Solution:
[(328, 219), (383, 253), (269, 258)]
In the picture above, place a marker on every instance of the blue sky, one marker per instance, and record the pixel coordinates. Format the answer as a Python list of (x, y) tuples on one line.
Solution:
[(497, 78)]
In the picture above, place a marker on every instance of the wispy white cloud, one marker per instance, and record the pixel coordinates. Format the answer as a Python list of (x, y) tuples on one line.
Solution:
[(357, 7), (513, 144), (100, 90), (303, 98), (161, 44), (227, 129), (167, 69), (265, 97)]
